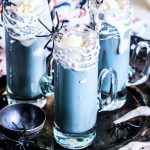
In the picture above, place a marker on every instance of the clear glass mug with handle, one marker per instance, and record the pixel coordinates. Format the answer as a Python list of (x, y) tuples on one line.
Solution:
[(112, 18), (25, 53), (76, 87)]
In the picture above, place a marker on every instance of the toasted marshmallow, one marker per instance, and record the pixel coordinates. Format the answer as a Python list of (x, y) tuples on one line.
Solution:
[(72, 40)]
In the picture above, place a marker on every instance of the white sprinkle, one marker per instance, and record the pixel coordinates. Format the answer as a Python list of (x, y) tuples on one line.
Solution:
[(83, 81), (12, 41)]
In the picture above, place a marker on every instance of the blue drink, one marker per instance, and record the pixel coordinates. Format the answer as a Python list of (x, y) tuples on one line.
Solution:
[(25, 67), (113, 21), (25, 54), (75, 99), (75, 92), (112, 58)]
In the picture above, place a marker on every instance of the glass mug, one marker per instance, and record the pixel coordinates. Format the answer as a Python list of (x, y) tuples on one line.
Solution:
[(76, 87), (25, 54), (114, 24)]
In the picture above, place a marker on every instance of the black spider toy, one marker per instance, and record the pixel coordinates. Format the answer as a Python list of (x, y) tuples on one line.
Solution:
[(124, 130), (54, 33), (23, 140)]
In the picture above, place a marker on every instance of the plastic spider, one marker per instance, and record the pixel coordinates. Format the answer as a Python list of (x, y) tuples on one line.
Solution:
[(23, 140), (54, 33), (123, 129)]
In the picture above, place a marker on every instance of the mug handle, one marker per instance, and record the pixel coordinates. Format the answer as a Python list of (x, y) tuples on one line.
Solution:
[(46, 85), (146, 68), (105, 103)]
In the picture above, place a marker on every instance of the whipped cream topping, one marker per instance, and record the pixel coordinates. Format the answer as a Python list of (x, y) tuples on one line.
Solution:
[(22, 19), (116, 13), (78, 49)]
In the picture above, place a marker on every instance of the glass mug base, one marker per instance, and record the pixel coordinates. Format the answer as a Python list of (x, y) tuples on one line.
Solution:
[(76, 140), (40, 102), (116, 104)]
